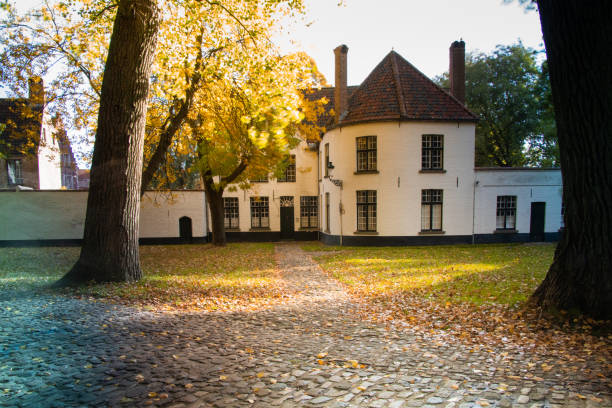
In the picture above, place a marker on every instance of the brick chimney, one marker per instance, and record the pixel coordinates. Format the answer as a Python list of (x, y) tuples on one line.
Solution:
[(340, 90), (37, 90), (456, 70)]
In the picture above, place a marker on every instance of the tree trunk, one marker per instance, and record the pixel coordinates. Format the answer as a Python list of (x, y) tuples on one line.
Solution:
[(110, 241), (578, 39), (215, 203)]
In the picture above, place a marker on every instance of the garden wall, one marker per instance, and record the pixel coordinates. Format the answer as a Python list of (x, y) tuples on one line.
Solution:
[(57, 217)]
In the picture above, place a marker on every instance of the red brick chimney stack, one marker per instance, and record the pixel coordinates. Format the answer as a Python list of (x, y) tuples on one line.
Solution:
[(340, 90), (36, 90), (456, 70)]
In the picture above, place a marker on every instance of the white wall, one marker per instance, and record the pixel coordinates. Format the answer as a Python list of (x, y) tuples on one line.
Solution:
[(49, 164), (41, 215), (528, 185), (305, 185), (398, 182)]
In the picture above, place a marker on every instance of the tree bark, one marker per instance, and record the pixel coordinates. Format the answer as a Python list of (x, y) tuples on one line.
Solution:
[(578, 39), (110, 240), (215, 203), (214, 197)]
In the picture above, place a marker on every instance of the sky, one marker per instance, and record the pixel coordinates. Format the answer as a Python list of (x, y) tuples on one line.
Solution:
[(419, 30)]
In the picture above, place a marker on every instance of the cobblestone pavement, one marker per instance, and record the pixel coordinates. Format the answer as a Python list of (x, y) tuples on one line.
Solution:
[(312, 351)]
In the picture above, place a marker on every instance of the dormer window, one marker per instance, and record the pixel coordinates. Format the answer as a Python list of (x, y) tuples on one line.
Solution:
[(366, 154), (289, 172)]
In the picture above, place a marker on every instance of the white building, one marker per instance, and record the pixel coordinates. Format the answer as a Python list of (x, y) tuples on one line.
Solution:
[(395, 166), (28, 142)]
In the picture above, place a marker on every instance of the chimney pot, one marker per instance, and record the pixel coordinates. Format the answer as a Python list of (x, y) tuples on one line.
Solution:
[(456, 70), (340, 86)]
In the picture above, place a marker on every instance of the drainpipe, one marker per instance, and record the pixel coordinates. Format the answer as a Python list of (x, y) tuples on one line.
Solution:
[(341, 208), (474, 209), (319, 189)]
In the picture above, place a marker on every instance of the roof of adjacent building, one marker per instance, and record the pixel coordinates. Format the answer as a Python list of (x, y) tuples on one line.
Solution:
[(22, 122), (395, 90), (325, 119)]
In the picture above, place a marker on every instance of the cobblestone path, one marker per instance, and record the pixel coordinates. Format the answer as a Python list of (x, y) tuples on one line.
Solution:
[(312, 351)]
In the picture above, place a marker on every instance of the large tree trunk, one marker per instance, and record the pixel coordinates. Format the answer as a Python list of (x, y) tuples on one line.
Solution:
[(215, 203), (110, 241), (578, 38)]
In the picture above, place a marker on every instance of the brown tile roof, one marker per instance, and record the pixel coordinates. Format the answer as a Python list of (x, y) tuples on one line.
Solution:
[(394, 90), (325, 120)]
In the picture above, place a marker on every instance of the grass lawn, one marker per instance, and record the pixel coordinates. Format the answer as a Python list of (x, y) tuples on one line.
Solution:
[(175, 276), (477, 274)]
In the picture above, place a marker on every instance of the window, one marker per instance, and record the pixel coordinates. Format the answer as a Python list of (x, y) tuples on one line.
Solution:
[(289, 173), (66, 159), (327, 212), (260, 214), (431, 210), (13, 168), (230, 212), (506, 213), (366, 210), (309, 212), (326, 159), (432, 152), (366, 153)]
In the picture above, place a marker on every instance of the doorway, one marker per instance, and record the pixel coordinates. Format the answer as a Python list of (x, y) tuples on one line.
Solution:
[(185, 230), (287, 227), (538, 215)]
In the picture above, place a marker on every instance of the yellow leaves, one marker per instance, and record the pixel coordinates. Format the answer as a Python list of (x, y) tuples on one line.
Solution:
[(189, 386), (322, 355), (353, 363), (139, 378), (152, 394), (222, 377), (546, 367), (321, 362), (261, 374)]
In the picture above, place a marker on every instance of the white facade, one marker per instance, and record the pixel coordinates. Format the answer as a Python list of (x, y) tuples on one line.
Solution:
[(399, 180), (305, 184), (527, 186), (49, 158)]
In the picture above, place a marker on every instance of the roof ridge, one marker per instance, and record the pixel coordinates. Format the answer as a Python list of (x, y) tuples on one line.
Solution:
[(398, 85), (439, 88)]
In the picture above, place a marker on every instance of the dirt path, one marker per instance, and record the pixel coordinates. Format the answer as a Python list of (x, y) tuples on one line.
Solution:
[(314, 350)]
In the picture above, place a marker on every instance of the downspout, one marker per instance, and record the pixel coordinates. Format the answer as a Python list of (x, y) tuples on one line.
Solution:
[(341, 210), (474, 209), (319, 189)]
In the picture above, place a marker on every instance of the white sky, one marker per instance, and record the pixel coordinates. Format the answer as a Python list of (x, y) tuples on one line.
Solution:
[(419, 30)]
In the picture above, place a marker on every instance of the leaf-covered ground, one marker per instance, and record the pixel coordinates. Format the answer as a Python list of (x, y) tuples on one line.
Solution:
[(478, 293), (176, 277)]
